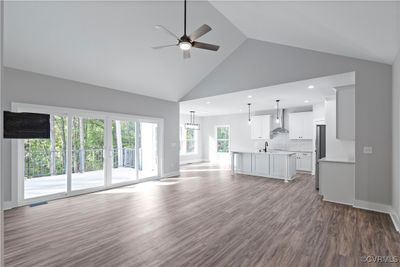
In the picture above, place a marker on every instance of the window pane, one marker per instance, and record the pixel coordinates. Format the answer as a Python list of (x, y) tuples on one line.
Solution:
[(45, 161), (222, 133), (223, 146), (148, 150), (123, 151), (190, 146), (87, 153), (189, 134)]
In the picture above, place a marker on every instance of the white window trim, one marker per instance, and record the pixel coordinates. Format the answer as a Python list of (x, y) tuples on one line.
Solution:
[(216, 138), (17, 150)]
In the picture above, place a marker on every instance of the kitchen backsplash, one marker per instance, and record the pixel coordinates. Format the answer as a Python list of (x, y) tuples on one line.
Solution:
[(283, 142)]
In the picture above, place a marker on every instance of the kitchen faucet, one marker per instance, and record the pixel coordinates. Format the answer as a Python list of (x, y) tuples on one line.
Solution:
[(265, 146)]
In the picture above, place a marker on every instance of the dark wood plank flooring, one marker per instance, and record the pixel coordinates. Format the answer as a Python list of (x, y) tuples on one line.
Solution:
[(206, 217)]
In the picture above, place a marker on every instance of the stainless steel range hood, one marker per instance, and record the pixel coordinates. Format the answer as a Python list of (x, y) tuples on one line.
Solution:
[(279, 127)]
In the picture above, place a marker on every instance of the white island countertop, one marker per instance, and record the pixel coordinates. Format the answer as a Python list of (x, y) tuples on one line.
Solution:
[(275, 152), (271, 164)]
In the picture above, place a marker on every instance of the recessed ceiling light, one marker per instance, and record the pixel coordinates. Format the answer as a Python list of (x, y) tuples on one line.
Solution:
[(208, 102), (240, 110), (311, 86), (306, 101), (249, 96)]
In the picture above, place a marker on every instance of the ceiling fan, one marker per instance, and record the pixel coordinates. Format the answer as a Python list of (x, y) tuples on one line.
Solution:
[(186, 42)]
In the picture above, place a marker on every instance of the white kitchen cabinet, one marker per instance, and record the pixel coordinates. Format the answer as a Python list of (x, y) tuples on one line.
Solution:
[(336, 181), (282, 166), (279, 165), (301, 125), (244, 163), (304, 161), (260, 127), (261, 164)]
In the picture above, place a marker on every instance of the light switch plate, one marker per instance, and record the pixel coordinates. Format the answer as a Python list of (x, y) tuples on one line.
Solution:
[(367, 150)]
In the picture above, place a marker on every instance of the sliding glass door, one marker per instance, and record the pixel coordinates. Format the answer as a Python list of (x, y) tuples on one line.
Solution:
[(45, 161), (86, 154), (148, 151), (123, 151)]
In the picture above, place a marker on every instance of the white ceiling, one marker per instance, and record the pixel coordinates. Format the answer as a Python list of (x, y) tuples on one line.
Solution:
[(108, 43), (296, 94), (360, 29)]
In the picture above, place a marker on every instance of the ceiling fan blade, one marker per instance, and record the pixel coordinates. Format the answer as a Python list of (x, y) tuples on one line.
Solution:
[(186, 54), (160, 27), (205, 46), (200, 32), (163, 46)]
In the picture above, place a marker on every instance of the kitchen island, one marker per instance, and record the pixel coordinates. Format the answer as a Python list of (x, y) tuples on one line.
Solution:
[(271, 164)]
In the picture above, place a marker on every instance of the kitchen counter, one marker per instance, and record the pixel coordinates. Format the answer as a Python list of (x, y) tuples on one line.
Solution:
[(279, 152), (337, 160), (336, 180), (293, 150), (271, 164)]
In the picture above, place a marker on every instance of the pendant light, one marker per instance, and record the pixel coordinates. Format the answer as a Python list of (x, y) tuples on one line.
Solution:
[(249, 121), (192, 125), (277, 120)]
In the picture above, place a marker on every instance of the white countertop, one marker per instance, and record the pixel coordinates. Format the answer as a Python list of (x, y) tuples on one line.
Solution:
[(337, 160), (293, 150), (275, 152)]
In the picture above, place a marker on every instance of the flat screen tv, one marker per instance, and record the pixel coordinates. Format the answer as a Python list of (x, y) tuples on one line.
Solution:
[(26, 125)]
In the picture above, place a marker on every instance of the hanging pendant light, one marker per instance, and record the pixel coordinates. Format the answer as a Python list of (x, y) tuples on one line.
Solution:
[(192, 125), (277, 120), (249, 121)]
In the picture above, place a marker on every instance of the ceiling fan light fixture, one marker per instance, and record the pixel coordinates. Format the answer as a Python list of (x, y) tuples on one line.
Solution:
[(185, 46)]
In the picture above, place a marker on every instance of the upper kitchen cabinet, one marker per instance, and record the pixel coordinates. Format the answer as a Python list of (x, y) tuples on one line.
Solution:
[(301, 125), (260, 127), (345, 113)]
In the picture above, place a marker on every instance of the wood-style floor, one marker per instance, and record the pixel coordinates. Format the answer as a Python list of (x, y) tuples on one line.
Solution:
[(203, 218)]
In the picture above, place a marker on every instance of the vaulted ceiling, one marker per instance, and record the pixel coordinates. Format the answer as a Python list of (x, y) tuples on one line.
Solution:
[(107, 43), (361, 29)]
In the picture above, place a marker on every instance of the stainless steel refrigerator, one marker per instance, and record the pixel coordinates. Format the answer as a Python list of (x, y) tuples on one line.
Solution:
[(320, 150)]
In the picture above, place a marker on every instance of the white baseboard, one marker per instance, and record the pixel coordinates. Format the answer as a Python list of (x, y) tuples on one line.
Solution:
[(366, 205), (372, 206), (379, 208), (183, 162), (337, 202), (395, 220), (171, 174), (7, 205)]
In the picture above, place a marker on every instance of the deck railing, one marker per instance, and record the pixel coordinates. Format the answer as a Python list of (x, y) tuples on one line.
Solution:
[(48, 163)]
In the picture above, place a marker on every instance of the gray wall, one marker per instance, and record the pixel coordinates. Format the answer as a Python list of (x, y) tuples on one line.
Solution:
[(258, 64), (396, 136), (396, 130), (27, 87)]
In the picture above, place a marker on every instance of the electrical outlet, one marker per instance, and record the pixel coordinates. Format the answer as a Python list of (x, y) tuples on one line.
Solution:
[(367, 150)]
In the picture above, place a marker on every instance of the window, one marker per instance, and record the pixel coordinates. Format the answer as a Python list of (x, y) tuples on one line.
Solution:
[(85, 153), (188, 141), (222, 139)]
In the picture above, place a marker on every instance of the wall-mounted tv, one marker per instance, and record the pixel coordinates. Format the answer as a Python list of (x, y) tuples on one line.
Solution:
[(26, 125)]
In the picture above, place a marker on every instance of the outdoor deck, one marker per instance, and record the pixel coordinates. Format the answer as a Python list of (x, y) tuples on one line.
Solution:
[(47, 185)]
